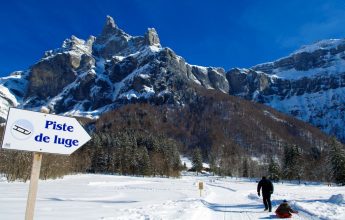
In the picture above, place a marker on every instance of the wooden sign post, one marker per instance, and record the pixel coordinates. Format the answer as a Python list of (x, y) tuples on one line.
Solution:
[(201, 187), (35, 175), (41, 133)]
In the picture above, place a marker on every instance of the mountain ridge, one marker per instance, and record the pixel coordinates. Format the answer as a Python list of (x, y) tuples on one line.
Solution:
[(89, 77)]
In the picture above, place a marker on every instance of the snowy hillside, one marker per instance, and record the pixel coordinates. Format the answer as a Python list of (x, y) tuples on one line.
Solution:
[(325, 58), (12, 89), (324, 109), (308, 84), (120, 197)]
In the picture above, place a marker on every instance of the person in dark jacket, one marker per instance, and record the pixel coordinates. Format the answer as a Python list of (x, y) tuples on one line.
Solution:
[(267, 189), (284, 210)]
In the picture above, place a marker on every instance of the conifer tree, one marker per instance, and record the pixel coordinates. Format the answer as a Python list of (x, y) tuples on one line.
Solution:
[(212, 162), (274, 170), (292, 162), (144, 162), (176, 161), (245, 168), (197, 160), (134, 163), (337, 161)]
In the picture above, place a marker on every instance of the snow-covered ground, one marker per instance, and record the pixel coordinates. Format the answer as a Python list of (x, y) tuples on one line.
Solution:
[(123, 197)]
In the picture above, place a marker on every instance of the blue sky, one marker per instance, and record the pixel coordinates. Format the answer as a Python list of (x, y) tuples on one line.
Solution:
[(221, 33)]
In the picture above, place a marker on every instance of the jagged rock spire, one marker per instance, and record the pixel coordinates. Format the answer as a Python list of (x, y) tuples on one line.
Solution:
[(151, 37), (110, 22), (110, 26), (90, 40)]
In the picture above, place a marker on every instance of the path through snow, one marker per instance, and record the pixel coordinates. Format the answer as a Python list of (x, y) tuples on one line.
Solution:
[(234, 200)]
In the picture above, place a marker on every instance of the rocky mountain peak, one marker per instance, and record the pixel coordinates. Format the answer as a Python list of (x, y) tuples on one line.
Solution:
[(320, 58), (113, 41), (74, 46), (110, 30), (322, 45), (109, 26), (75, 43), (151, 37), (90, 40)]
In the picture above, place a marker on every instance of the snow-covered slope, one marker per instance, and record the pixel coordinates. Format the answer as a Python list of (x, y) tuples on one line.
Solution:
[(122, 197), (323, 58), (12, 90), (308, 84)]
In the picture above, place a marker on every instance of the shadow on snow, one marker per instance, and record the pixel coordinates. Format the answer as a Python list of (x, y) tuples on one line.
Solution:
[(232, 208), (86, 200), (223, 187)]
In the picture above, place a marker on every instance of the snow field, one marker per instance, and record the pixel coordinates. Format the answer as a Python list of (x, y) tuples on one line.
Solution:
[(111, 197)]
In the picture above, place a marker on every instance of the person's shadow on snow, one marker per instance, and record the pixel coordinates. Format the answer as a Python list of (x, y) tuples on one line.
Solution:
[(270, 217), (241, 208)]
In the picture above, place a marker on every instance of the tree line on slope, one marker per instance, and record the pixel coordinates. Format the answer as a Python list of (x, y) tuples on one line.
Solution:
[(133, 152), (235, 137), (294, 164), (290, 167), (124, 152)]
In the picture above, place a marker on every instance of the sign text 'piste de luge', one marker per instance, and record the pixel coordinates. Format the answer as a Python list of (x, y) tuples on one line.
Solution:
[(57, 140), (41, 132)]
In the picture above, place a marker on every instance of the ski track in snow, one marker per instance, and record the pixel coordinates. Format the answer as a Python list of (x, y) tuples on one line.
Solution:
[(109, 197), (221, 204)]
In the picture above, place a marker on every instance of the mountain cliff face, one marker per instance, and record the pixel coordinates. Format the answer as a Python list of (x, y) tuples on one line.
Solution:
[(88, 78), (308, 84)]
